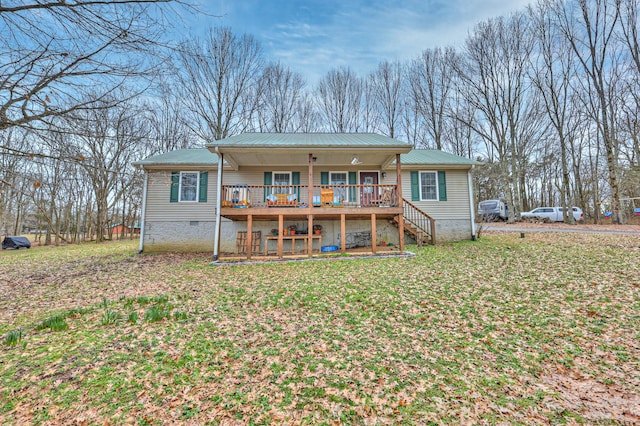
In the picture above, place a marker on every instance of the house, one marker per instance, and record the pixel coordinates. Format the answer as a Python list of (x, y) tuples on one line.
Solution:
[(118, 229), (279, 193)]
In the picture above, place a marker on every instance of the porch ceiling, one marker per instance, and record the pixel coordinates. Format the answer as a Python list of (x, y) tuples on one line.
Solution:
[(343, 158)]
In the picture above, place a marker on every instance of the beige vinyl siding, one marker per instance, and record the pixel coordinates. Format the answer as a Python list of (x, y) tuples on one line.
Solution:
[(457, 204), (160, 209), (255, 176)]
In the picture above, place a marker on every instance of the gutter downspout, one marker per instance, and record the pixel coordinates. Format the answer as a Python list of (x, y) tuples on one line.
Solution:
[(471, 205), (216, 240), (144, 210)]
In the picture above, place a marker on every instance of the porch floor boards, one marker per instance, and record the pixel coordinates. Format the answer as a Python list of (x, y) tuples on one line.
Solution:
[(319, 213)]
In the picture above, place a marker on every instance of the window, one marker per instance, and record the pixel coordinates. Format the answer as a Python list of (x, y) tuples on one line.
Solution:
[(189, 186), (339, 178), (281, 183), (428, 186), (282, 179)]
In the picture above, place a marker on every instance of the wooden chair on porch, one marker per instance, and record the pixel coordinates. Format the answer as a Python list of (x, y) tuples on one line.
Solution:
[(385, 200)]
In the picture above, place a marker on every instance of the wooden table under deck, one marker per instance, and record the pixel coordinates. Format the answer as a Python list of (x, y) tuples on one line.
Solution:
[(293, 239)]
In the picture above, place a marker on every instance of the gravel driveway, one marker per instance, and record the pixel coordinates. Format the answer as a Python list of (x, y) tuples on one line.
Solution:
[(560, 227)]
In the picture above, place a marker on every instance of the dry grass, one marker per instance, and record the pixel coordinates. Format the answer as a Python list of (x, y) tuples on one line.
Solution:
[(541, 330)]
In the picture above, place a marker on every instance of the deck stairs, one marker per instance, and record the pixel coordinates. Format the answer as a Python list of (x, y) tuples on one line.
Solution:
[(417, 224)]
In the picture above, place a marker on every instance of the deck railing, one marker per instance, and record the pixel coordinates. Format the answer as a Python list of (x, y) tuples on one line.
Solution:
[(418, 223), (246, 196)]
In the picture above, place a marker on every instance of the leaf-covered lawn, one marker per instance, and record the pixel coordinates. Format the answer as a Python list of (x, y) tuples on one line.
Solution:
[(539, 330)]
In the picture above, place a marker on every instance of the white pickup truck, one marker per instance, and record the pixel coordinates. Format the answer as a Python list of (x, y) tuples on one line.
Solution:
[(550, 214)]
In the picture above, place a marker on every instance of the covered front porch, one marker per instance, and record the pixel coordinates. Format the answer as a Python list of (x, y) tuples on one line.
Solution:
[(342, 184), (285, 241)]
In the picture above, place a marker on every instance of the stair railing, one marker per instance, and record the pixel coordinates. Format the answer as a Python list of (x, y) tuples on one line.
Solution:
[(418, 223)]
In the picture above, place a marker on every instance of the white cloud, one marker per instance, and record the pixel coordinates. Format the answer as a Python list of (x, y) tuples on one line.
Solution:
[(314, 37)]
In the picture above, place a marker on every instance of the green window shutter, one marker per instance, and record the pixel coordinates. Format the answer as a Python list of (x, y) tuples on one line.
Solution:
[(442, 185), (353, 179), (267, 182), (267, 178), (175, 187), (204, 181), (415, 186), (324, 178), (295, 180)]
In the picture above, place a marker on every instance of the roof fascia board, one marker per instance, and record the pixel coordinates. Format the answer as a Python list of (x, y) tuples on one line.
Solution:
[(429, 166), (181, 166), (307, 148)]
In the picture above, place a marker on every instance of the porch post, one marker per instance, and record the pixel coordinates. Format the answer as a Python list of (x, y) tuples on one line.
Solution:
[(310, 180), (280, 234), (400, 203), (310, 207), (374, 231), (343, 233), (310, 235), (219, 195), (249, 235)]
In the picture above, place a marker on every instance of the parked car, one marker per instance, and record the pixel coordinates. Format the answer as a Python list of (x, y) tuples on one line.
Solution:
[(551, 214), (492, 210), (15, 242)]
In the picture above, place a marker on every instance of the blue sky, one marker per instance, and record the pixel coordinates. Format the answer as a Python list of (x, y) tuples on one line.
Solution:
[(314, 36)]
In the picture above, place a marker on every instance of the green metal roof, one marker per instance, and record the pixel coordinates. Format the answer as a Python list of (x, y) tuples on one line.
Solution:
[(433, 156), (187, 156), (204, 157), (301, 140)]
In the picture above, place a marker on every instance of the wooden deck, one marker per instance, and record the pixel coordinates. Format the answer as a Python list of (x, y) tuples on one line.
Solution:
[(327, 202), (309, 214), (300, 213)]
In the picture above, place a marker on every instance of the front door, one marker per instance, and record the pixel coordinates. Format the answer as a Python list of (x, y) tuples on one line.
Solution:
[(368, 188)]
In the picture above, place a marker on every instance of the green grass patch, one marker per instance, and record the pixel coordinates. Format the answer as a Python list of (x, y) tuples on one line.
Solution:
[(13, 337), (54, 323)]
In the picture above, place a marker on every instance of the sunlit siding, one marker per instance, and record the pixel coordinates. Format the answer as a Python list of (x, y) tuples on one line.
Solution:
[(160, 209)]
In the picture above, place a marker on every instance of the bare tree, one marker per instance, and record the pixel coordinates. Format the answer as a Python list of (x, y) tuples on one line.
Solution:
[(14, 172), (552, 74), (340, 97), (458, 136), (308, 116), (630, 120), (53, 53), (386, 90), (589, 26), (628, 11), (168, 123), (107, 141), (218, 78), (431, 79), (493, 74), (282, 91)]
